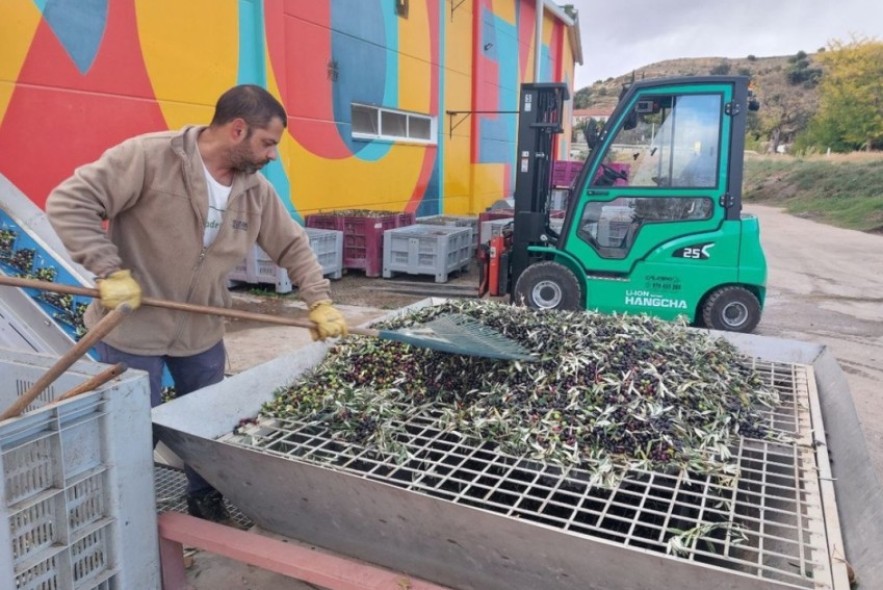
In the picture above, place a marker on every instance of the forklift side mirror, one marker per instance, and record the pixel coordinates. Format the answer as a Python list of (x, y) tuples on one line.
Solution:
[(590, 132), (631, 121)]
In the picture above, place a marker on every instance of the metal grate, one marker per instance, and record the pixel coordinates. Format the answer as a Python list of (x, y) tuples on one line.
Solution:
[(170, 485), (775, 502)]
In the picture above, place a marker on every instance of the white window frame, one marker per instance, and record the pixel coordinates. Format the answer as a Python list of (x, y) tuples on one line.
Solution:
[(378, 112)]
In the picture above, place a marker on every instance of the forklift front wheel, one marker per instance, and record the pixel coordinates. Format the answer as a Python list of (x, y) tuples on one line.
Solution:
[(732, 308), (548, 285)]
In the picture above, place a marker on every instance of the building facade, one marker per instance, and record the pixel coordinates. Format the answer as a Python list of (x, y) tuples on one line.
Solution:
[(381, 94)]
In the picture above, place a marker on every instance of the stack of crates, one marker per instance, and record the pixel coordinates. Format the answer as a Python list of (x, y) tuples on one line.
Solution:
[(427, 249), (564, 172), (78, 508), (362, 235), (258, 267)]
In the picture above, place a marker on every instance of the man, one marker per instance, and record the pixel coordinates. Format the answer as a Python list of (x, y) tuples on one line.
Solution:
[(183, 208)]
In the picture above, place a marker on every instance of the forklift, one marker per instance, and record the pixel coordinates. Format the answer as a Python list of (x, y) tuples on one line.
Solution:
[(653, 222)]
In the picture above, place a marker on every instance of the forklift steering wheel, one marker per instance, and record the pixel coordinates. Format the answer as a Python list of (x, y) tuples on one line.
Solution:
[(610, 175)]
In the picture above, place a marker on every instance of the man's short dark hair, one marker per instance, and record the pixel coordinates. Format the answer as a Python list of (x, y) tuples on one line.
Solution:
[(251, 103)]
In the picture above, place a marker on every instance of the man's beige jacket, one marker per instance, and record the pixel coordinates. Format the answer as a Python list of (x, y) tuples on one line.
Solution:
[(152, 190)]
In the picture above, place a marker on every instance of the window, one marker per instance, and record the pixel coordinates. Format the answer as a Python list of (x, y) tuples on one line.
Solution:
[(666, 140), (612, 227), (370, 122), (365, 120)]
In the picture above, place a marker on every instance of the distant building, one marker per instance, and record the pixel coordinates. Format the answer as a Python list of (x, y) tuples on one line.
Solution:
[(600, 114)]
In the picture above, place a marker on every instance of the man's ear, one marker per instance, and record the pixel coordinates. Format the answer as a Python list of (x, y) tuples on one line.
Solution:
[(238, 130)]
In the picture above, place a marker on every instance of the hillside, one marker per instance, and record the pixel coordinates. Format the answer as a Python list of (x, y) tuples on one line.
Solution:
[(785, 85)]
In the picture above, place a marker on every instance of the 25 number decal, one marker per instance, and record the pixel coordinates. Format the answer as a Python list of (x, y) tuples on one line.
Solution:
[(697, 252)]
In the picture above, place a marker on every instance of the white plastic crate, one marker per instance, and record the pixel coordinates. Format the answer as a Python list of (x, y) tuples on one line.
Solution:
[(77, 492), (470, 221), (493, 228), (426, 249), (613, 225), (558, 199), (327, 245)]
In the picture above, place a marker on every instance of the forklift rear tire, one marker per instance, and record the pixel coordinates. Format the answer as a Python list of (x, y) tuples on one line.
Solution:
[(548, 285), (734, 309)]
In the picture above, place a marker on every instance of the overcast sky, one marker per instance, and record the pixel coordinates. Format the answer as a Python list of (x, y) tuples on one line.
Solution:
[(620, 36)]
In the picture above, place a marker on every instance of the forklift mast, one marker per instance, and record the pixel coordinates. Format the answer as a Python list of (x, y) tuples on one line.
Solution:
[(540, 119)]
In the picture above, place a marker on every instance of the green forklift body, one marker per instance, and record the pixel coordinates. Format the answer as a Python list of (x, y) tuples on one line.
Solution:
[(654, 224)]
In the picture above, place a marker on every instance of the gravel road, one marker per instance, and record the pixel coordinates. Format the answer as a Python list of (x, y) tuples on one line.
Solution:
[(826, 286)]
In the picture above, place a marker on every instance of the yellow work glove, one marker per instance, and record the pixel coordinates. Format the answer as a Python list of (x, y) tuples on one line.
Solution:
[(329, 322), (119, 287)]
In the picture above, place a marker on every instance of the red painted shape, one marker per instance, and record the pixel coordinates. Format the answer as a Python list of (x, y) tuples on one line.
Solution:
[(558, 45), (485, 90), (526, 27), (301, 46), (309, 564), (430, 155), (58, 119), (274, 32)]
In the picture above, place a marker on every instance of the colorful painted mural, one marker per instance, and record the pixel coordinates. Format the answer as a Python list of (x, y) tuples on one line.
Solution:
[(77, 76)]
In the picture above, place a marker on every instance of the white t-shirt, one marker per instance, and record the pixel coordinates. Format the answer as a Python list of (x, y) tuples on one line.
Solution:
[(217, 204)]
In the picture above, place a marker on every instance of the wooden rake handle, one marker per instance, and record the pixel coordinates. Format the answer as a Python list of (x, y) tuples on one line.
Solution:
[(93, 382), (92, 337), (175, 305)]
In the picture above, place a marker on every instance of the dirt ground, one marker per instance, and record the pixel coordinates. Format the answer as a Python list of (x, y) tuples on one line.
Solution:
[(825, 286)]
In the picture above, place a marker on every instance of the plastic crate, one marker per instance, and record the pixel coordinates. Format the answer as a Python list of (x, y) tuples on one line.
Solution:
[(363, 241), (324, 221), (558, 199), (327, 245), (469, 221), (426, 249), (77, 482), (493, 228), (564, 172), (613, 225), (362, 234)]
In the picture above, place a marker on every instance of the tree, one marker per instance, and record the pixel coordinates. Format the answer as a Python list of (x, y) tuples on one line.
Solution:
[(782, 117), (800, 72), (850, 114), (582, 98), (721, 69)]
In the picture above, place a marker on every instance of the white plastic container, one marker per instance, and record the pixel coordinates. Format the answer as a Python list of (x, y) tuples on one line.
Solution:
[(327, 245), (78, 509), (427, 249)]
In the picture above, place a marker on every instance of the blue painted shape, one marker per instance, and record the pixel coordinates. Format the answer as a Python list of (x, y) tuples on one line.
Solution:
[(252, 67), (275, 173), (430, 204), (253, 70), (497, 132), (79, 26), (545, 65), (364, 43)]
